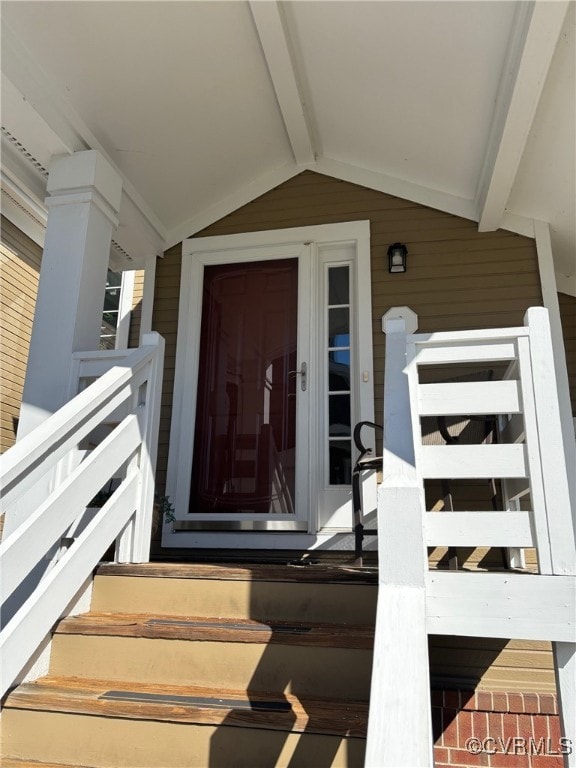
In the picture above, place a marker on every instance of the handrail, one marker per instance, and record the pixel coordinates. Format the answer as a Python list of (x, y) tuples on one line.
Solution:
[(400, 682), (130, 392)]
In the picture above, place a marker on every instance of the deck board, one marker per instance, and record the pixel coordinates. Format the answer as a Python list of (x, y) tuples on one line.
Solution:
[(252, 572), (72, 695), (218, 629)]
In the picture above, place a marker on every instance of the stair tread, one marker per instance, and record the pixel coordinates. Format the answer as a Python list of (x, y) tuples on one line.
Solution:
[(192, 704), (252, 572), (218, 629), (14, 762)]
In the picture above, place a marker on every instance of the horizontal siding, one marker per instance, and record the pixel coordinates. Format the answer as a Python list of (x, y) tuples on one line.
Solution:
[(457, 279), (493, 665), (165, 321), (20, 266), (568, 316)]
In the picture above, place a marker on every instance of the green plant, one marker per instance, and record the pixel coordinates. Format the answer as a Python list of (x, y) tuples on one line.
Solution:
[(165, 507)]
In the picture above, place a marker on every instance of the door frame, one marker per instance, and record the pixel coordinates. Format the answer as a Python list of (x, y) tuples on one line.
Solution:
[(307, 243)]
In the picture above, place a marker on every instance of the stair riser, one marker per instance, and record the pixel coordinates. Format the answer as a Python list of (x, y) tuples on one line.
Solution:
[(302, 670), (122, 743), (261, 600)]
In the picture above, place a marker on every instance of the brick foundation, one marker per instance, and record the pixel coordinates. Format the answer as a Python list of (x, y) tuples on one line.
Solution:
[(507, 730)]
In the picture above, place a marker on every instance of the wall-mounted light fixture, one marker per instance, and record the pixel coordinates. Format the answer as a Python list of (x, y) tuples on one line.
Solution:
[(397, 254)]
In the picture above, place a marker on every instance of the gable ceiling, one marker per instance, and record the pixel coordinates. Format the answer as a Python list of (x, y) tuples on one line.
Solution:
[(202, 106)]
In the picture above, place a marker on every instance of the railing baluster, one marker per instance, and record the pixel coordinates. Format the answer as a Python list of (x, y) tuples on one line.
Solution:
[(117, 394)]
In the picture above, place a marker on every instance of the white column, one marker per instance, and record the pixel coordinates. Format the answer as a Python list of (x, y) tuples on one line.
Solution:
[(83, 204)]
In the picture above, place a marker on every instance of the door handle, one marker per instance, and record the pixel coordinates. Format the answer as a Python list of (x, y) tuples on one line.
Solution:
[(302, 373)]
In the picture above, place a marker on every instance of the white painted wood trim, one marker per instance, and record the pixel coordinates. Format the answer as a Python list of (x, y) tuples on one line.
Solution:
[(534, 456), (400, 689), (30, 542), (51, 103), (352, 231), (565, 670), (19, 639), (473, 461), (473, 352), (196, 252), (392, 185), (205, 251), (478, 529), (470, 398), (232, 202), (56, 435), (22, 208), (275, 45), (526, 606), (550, 299), (482, 336), (537, 28), (399, 724), (555, 473)]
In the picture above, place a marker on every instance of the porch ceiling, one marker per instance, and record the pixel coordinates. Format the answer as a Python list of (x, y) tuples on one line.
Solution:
[(464, 106)]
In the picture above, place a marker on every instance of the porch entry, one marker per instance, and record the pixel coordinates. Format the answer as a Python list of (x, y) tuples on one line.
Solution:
[(244, 458), (269, 377)]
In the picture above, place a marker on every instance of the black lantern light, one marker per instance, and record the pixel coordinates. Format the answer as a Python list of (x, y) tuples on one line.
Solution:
[(397, 254)]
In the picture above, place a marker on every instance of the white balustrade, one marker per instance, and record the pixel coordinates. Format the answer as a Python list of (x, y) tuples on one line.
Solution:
[(121, 408), (528, 458)]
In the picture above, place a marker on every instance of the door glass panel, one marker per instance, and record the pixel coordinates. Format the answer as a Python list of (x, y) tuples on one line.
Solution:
[(339, 415), (245, 432), (340, 462), (338, 286), (339, 392), (339, 370), (339, 327)]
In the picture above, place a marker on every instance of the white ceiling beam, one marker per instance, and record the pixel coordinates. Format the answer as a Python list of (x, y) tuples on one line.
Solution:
[(273, 38), (536, 31), (27, 76)]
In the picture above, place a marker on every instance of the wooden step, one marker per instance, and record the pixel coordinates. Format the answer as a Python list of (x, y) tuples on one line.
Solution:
[(170, 627), (118, 723), (169, 652), (259, 592), (12, 762)]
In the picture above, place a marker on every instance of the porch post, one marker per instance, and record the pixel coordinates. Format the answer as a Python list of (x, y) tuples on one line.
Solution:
[(83, 204)]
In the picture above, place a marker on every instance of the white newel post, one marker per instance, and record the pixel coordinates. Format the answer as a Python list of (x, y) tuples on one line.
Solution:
[(400, 726), (83, 204)]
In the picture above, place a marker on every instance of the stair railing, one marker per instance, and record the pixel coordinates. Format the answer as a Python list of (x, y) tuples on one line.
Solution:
[(399, 724), (529, 457), (105, 436)]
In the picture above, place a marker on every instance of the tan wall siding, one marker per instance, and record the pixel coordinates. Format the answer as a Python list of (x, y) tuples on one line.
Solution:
[(165, 321), (136, 316), (568, 315), (20, 266), (490, 664), (457, 278)]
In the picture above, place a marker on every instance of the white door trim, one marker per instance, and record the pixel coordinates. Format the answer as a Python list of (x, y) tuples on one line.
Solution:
[(196, 252)]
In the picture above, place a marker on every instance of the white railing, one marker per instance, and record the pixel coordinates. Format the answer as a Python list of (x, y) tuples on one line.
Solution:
[(106, 434), (528, 457)]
